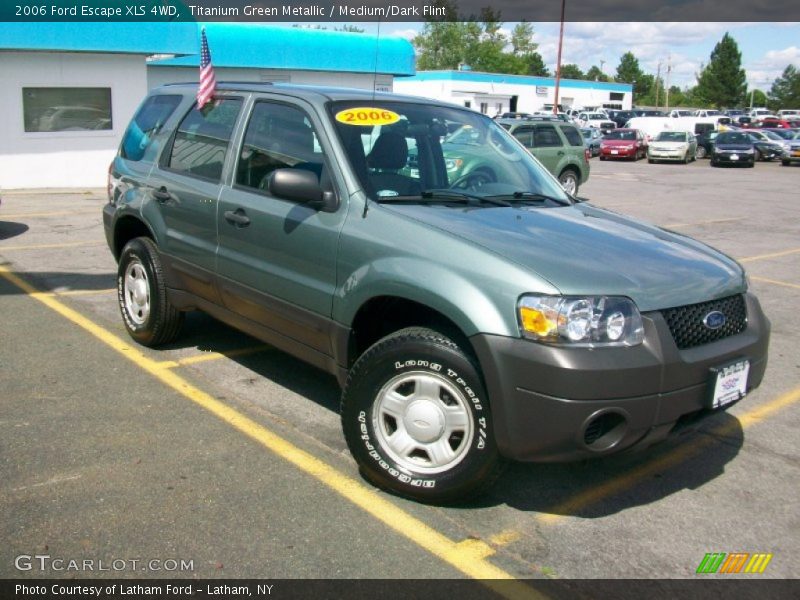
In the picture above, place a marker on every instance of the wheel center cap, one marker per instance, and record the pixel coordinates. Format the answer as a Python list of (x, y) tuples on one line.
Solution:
[(140, 292), (424, 421)]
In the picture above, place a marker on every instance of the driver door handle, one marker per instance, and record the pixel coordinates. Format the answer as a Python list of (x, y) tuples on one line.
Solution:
[(162, 195), (237, 217)]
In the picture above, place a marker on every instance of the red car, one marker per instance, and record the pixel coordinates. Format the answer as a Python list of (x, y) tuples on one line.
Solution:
[(623, 143), (773, 123)]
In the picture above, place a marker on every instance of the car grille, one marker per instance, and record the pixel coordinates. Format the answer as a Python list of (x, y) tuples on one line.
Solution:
[(686, 322)]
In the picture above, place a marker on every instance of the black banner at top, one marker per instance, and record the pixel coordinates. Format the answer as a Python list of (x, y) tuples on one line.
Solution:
[(398, 10)]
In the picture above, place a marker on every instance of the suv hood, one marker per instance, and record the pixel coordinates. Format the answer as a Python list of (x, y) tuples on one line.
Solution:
[(584, 250)]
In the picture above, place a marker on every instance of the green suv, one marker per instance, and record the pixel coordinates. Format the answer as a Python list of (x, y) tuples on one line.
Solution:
[(468, 320)]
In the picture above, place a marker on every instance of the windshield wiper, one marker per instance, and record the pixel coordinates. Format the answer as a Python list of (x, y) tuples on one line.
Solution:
[(532, 196), (430, 196)]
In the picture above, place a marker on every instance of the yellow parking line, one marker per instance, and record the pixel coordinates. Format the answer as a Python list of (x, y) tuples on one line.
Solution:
[(677, 456), (48, 246), (504, 537), (55, 213), (86, 292), (773, 255), (207, 356), (709, 222), (468, 559), (776, 282)]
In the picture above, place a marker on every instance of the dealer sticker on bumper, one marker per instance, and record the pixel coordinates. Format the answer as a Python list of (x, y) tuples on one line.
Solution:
[(730, 384)]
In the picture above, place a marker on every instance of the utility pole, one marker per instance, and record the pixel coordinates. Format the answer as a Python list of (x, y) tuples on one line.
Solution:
[(558, 60), (658, 78), (666, 87)]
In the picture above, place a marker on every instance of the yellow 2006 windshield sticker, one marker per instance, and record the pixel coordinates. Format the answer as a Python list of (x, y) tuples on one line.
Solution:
[(365, 115)]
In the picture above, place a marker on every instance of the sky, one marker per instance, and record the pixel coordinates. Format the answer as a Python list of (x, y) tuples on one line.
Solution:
[(767, 48)]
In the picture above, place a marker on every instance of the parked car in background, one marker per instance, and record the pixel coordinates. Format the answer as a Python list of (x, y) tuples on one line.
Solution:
[(672, 145), (592, 138), (623, 143), (767, 144), (733, 113), (788, 113), (792, 153), (760, 113), (558, 146), (678, 112), (705, 144), (649, 113), (596, 119), (623, 116), (733, 148), (708, 113), (785, 134), (513, 115), (773, 123)]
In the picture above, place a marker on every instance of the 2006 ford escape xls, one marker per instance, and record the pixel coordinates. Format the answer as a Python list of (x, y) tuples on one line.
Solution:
[(468, 317)]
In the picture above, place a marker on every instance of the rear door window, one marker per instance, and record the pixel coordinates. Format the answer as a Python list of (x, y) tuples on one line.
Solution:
[(202, 140), (545, 136)]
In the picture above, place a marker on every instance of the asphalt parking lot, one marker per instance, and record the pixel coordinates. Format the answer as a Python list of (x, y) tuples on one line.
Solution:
[(224, 452)]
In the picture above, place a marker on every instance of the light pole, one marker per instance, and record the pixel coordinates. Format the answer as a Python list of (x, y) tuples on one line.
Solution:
[(558, 60)]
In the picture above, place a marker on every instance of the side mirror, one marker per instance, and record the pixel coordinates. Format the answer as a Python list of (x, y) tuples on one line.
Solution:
[(301, 185)]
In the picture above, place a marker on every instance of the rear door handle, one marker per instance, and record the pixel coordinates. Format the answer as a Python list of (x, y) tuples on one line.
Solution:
[(237, 217), (561, 153), (162, 195)]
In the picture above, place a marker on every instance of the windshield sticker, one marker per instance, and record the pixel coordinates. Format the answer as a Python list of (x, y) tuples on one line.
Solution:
[(367, 116)]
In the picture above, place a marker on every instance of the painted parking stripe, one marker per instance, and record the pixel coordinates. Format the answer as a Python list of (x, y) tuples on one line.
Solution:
[(773, 255), (55, 213), (775, 282), (209, 356), (469, 559), (626, 481), (697, 223), (50, 246)]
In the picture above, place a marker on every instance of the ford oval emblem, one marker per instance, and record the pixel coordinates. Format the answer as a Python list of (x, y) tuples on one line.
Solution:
[(714, 320)]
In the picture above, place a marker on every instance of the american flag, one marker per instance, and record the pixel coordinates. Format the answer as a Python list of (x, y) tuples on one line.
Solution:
[(208, 82)]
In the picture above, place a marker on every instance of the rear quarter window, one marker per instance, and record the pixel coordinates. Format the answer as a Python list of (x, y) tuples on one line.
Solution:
[(147, 122), (573, 136)]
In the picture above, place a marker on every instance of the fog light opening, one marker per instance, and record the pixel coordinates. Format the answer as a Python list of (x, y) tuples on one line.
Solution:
[(605, 431)]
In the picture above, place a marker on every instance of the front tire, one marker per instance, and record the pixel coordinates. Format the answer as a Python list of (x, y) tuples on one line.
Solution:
[(142, 293), (569, 181), (417, 420)]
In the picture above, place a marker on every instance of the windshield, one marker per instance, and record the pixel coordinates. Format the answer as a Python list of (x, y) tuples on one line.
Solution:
[(596, 116), (772, 135), (419, 151), (621, 135), (732, 137), (671, 136)]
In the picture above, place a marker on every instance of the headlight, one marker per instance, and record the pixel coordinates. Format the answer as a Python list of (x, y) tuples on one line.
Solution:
[(453, 164), (748, 151), (581, 321)]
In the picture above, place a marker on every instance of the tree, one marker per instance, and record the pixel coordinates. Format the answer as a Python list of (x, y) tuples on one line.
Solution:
[(629, 71), (759, 98), (570, 71), (722, 82), (445, 43), (595, 74), (785, 91)]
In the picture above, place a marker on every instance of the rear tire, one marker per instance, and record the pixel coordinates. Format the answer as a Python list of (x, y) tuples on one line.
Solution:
[(417, 420), (148, 316), (701, 152), (785, 163)]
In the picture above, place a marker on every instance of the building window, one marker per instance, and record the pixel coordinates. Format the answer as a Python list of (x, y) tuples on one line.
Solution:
[(66, 109), (467, 104), (484, 107), (616, 96)]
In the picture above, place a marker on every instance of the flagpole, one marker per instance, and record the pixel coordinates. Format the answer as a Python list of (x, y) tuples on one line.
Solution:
[(558, 60)]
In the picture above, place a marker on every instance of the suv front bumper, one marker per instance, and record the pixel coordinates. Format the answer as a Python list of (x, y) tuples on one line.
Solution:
[(557, 403)]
